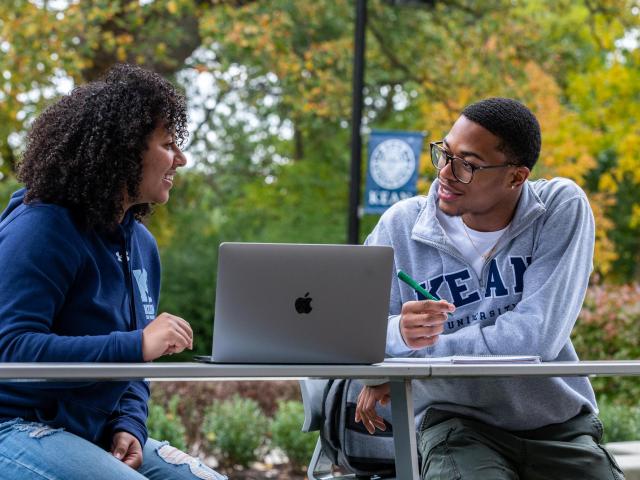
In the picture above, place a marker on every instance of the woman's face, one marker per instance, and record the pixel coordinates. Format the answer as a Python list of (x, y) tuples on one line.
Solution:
[(159, 164)]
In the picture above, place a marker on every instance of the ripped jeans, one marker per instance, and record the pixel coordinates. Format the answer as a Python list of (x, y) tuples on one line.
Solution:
[(32, 451)]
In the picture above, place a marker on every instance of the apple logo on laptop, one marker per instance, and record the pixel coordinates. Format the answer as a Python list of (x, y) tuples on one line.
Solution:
[(303, 304)]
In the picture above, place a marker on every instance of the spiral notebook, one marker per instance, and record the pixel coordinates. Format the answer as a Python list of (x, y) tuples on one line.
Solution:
[(468, 359)]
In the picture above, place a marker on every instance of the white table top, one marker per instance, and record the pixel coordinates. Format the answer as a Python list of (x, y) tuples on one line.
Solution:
[(547, 369), (199, 371)]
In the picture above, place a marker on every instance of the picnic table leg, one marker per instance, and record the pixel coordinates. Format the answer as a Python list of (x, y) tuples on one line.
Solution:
[(404, 430)]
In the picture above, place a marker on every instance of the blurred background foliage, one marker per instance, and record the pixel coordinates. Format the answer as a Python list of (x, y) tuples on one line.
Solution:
[(269, 89)]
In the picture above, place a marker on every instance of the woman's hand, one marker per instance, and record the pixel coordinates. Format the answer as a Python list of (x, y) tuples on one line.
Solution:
[(127, 448), (166, 335)]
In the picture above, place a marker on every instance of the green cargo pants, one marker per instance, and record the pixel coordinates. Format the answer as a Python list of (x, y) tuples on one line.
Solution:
[(454, 447)]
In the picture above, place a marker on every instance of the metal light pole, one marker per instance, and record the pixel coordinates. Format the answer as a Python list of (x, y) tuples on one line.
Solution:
[(356, 121), (353, 233)]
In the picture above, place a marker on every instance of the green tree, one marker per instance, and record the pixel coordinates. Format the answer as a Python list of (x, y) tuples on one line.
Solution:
[(269, 85)]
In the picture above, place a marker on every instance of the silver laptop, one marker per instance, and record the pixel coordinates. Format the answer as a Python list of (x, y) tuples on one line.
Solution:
[(292, 303)]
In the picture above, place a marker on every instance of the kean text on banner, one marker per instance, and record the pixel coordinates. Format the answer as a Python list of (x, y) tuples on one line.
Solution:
[(393, 165)]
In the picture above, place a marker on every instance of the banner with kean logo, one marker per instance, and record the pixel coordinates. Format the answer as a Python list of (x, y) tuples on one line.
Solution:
[(392, 168)]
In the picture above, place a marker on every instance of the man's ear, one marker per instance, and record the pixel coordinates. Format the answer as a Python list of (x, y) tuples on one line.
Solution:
[(519, 176)]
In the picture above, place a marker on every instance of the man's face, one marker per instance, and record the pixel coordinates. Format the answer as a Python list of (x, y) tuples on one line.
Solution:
[(490, 189)]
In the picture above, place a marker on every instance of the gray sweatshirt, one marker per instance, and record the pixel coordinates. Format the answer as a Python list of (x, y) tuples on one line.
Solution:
[(525, 302)]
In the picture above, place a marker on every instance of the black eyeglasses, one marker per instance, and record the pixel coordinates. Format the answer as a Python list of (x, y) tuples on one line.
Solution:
[(462, 170)]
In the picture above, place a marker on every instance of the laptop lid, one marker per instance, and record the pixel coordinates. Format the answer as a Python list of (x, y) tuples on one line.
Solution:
[(294, 303)]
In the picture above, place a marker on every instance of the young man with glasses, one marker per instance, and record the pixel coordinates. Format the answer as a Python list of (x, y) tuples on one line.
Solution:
[(510, 260)]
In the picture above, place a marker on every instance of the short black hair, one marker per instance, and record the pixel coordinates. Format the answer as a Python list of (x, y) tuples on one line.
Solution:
[(512, 122), (86, 149)]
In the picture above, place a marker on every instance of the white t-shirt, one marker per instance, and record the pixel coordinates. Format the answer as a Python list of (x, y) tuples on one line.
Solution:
[(473, 246)]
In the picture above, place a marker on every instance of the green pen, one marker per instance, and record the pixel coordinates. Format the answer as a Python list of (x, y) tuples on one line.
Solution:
[(416, 286)]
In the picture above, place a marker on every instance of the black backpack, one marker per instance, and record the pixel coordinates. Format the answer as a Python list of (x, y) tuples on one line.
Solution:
[(347, 443)]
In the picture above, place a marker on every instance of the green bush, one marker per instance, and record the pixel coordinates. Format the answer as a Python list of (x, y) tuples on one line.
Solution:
[(286, 433), (621, 422), (235, 429), (608, 328), (166, 425)]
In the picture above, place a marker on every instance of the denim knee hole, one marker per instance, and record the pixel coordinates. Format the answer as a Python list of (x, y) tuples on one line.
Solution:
[(36, 430), (174, 456)]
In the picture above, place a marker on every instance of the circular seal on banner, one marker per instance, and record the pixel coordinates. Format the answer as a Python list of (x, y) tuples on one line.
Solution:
[(392, 164)]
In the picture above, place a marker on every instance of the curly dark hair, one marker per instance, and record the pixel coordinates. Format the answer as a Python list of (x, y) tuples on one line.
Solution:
[(513, 123), (85, 149)]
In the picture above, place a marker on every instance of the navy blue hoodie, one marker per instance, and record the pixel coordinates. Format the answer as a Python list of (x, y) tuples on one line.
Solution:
[(73, 295)]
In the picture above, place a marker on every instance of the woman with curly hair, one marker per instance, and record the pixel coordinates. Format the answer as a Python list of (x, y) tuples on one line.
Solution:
[(80, 280)]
